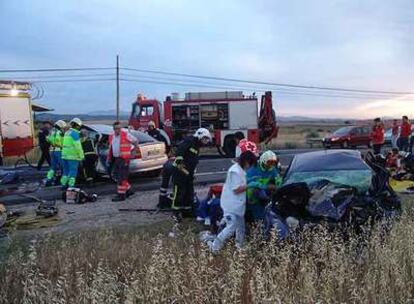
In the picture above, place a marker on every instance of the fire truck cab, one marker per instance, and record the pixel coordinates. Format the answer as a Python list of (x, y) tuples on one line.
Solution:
[(223, 113)]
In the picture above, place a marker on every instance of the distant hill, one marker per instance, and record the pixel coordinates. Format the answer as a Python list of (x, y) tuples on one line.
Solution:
[(110, 116), (93, 116), (107, 113)]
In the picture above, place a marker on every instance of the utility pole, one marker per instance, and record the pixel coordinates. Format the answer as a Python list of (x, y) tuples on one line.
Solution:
[(117, 87)]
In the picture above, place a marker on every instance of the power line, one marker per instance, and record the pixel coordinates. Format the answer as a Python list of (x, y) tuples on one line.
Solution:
[(219, 86), (269, 83), (279, 91), (75, 80), (29, 78), (55, 70), (215, 78)]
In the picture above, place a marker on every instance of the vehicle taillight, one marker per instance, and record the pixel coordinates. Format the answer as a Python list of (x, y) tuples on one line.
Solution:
[(137, 153)]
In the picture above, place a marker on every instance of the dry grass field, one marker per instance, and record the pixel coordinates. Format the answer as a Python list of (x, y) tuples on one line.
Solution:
[(143, 265), (294, 136)]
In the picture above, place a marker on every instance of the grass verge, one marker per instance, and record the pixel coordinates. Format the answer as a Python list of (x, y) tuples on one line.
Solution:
[(143, 265)]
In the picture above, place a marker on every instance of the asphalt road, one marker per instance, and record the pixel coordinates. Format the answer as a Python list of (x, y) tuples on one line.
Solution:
[(211, 169)]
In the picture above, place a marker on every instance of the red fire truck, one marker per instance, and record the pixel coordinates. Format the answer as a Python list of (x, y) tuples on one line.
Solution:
[(223, 113)]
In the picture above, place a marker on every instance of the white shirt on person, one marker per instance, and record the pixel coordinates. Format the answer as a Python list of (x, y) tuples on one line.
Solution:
[(231, 202)]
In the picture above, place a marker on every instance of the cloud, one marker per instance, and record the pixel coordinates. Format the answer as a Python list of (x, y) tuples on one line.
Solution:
[(363, 44)]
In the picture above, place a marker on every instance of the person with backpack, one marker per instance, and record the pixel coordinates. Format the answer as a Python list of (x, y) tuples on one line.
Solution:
[(233, 200)]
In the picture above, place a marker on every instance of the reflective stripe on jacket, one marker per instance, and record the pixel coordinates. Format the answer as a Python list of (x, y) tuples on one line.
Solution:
[(55, 139), (72, 147), (88, 147)]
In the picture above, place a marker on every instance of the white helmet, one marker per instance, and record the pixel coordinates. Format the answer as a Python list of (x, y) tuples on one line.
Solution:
[(268, 156), (61, 124), (151, 124), (202, 133), (76, 121)]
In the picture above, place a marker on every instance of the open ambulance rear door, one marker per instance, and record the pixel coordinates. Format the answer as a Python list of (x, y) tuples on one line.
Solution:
[(16, 124)]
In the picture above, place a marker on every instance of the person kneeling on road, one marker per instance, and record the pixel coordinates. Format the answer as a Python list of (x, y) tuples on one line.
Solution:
[(262, 181), (233, 201), (72, 154), (185, 165), (121, 142)]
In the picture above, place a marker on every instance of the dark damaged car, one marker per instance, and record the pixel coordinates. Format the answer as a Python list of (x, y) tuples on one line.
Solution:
[(338, 188)]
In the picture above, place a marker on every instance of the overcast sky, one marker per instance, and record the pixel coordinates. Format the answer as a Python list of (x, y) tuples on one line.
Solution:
[(356, 44)]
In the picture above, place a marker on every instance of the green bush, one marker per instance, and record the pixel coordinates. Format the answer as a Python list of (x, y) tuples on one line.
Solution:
[(312, 134), (291, 145)]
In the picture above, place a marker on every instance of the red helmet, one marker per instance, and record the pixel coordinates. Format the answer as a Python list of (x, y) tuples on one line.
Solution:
[(244, 146)]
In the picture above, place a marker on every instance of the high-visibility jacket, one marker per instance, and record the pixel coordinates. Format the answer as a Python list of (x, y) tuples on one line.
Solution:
[(259, 178), (378, 135), (72, 147), (125, 146), (55, 139)]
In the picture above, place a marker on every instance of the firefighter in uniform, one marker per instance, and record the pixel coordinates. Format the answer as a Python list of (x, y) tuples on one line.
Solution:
[(121, 142), (89, 163), (157, 135), (185, 165), (72, 154), (55, 139)]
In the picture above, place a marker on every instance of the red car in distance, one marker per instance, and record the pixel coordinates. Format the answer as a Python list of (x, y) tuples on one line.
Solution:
[(349, 137)]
